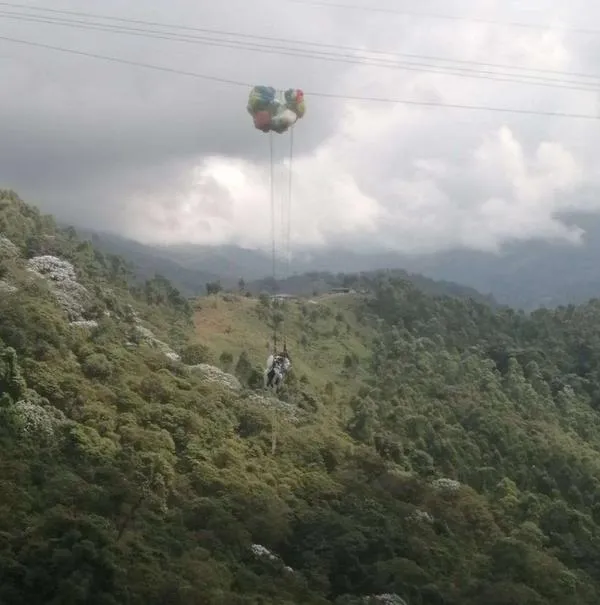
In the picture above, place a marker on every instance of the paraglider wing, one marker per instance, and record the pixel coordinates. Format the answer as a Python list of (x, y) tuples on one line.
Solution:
[(262, 105), (294, 100), (260, 99), (283, 119), (270, 113), (262, 120)]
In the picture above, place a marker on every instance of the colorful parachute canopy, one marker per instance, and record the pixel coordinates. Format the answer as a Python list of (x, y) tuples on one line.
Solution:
[(273, 112)]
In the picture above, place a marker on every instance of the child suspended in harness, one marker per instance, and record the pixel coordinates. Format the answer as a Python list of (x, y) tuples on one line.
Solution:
[(278, 366)]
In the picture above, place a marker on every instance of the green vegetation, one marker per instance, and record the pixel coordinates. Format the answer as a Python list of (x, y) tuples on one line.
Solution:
[(427, 450), (523, 274), (198, 270)]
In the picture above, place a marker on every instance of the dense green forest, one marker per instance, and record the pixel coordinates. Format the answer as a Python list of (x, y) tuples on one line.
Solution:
[(453, 461)]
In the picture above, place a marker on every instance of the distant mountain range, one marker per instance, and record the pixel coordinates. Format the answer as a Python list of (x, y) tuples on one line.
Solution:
[(190, 268), (524, 275)]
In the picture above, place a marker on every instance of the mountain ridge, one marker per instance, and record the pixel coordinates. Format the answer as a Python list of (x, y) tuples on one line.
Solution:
[(177, 264), (523, 275)]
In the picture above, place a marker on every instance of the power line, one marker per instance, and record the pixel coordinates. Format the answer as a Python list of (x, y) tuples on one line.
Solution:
[(408, 13), (303, 43), (319, 55), (127, 62), (325, 95)]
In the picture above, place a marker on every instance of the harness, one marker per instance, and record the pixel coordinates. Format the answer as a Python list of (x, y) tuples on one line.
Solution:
[(277, 369)]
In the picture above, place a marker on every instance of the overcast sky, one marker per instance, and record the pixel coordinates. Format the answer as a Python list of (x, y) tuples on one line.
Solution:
[(163, 157)]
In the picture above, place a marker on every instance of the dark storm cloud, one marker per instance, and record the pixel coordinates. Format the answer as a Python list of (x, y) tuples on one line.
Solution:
[(69, 122), (164, 156)]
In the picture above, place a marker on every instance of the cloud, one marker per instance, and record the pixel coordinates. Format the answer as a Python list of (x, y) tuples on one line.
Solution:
[(164, 157)]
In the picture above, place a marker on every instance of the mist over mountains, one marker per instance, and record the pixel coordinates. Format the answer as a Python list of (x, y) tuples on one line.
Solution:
[(522, 275)]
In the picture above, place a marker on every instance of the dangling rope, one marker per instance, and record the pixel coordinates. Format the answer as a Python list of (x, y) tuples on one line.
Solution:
[(286, 238), (285, 229), (289, 216), (273, 228)]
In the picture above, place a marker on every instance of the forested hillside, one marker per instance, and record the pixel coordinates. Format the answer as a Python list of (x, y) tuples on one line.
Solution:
[(523, 274), (191, 268), (427, 450)]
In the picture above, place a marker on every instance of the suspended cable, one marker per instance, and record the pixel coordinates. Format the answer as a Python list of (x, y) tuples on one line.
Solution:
[(282, 218), (422, 15), (464, 72), (289, 218), (281, 204), (387, 100), (272, 178), (302, 43), (274, 273), (126, 62), (286, 239)]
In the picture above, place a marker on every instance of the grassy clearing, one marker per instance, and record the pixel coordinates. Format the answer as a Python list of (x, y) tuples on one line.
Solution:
[(320, 334)]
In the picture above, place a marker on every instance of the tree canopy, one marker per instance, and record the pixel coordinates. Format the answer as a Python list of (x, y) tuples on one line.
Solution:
[(446, 453)]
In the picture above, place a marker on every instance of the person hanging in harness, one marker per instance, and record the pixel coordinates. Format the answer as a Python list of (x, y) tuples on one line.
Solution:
[(278, 366)]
